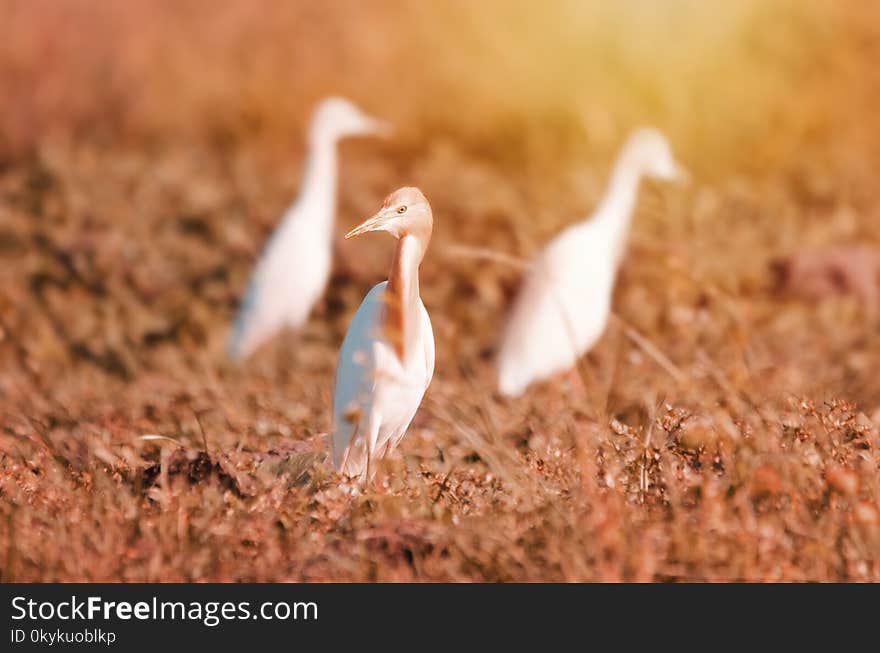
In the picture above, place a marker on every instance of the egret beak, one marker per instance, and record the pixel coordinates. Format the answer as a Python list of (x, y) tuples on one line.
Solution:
[(682, 176), (380, 128), (376, 223)]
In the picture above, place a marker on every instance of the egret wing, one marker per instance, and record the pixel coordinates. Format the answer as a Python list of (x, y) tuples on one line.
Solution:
[(356, 371), (287, 281), (561, 307)]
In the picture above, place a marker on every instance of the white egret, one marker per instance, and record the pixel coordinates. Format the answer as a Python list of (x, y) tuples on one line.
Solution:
[(565, 301), (294, 268), (387, 357)]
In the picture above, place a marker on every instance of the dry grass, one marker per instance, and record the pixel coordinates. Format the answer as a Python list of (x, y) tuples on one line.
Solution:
[(147, 149)]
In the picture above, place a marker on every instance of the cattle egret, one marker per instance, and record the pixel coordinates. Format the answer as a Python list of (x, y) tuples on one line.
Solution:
[(387, 357), (293, 271), (564, 305)]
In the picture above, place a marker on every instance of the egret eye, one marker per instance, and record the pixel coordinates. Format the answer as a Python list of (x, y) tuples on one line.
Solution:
[(401, 209)]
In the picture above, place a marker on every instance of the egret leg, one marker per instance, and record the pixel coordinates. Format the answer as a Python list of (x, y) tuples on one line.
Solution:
[(367, 474)]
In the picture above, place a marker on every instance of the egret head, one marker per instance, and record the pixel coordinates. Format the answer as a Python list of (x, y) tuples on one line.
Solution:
[(405, 212), (648, 151), (337, 118)]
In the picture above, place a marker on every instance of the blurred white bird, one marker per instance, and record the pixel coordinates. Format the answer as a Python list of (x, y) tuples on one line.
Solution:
[(564, 305), (387, 357), (295, 266)]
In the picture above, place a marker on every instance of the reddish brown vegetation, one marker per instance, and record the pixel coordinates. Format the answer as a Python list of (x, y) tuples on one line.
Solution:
[(148, 150)]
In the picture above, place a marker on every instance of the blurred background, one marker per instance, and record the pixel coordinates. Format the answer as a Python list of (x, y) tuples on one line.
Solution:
[(742, 85), (148, 148)]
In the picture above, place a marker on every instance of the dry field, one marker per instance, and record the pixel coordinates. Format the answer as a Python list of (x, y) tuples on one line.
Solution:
[(727, 427)]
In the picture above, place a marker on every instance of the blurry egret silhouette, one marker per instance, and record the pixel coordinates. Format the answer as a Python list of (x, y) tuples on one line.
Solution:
[(293, 270), (387, 357), (565, 301)]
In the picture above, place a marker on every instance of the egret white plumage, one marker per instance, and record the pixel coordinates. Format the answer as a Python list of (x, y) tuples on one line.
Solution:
[(565, 301), (294, 268), (387, 357)]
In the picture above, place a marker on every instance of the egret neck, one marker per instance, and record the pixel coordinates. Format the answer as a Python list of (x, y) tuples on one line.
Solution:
[(318, 186), (402, 302), (616, 208)]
